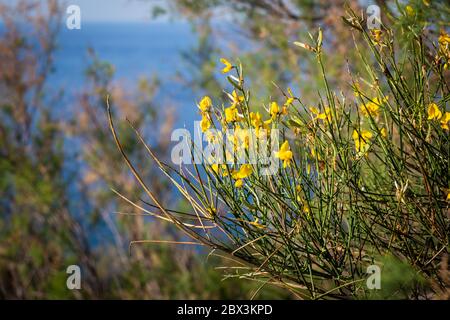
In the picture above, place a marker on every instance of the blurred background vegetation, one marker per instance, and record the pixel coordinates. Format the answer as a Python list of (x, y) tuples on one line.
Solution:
[(56, 205)]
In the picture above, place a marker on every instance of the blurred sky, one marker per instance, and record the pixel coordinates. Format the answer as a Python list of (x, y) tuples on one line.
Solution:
[(110, 10), (114, 10)]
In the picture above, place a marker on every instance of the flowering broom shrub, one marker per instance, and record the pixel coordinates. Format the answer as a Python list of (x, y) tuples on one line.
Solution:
[(308, 197)]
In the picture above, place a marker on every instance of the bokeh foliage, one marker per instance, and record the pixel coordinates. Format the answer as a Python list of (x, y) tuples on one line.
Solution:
[(56, 174)]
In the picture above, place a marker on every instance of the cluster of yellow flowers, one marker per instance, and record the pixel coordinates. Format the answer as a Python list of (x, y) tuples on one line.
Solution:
[(238, 175), (285, 154), (205, 107), (377, 37), (372, 108), (321, 115), (410, 11), (444, 48), (231, 113), (434, 113), (241, 138), (361, 140)]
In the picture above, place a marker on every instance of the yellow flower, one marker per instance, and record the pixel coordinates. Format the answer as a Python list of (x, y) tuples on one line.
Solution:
[(298, 190), (290, 99), (205, 104), (301, 200), (236, 99), (274, 109), (242, 136), (215, 168), (211, 210), (376, 34), (224, 167), (285, 154), (444, 38), (444, 46), (218, 168), (213, 164), (409, 10), (267, 123), (323, 115), (256, 119), (314, 110), (383, 132), (305, 207), (357, 89), (362, 140), (371, 108), (231, 114), (245, 171), (434, 112), (228, 65), (328, 114), (257, 122), (205, 124), (444, 121)]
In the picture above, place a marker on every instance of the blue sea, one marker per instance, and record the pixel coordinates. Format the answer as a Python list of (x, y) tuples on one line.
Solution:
[(135, 50)]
